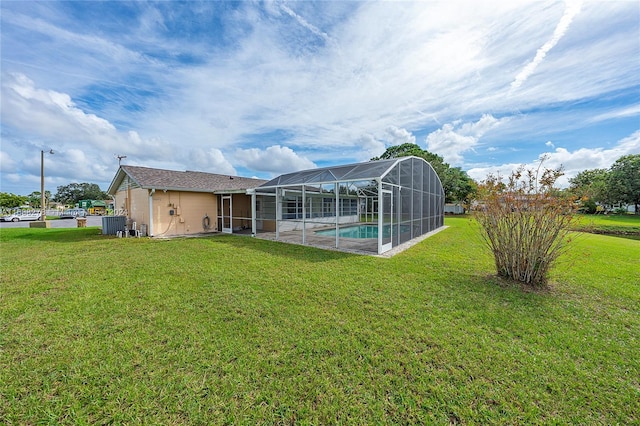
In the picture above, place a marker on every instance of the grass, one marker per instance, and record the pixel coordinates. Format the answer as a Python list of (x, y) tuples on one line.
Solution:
[(610, 224), (234, 330)]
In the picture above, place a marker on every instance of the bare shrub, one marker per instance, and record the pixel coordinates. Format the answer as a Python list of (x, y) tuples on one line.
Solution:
[(525, 222)]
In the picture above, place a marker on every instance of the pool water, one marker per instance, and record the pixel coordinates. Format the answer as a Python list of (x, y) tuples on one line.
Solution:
[(361, 231)]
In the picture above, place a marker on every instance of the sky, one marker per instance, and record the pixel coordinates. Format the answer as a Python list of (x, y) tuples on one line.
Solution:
[(258, 89)]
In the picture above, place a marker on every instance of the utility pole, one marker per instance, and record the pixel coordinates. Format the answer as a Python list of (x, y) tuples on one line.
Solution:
[(43, 210), (42, 223)]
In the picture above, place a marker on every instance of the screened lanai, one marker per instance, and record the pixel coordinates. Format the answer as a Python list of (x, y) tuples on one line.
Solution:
[(368, 207)]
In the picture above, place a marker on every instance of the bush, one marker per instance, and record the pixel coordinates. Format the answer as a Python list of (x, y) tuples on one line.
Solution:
[(525, 222), (588, 206)]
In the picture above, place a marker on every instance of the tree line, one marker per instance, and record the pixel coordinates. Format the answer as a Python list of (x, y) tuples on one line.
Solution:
[(618, 185), (67, 195), (602, 189), (458, 186)]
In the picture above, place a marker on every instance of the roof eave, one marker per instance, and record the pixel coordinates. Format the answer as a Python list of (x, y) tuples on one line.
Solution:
[(115, 183)]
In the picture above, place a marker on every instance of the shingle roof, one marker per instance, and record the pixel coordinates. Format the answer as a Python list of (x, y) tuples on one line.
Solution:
[(150, 178)]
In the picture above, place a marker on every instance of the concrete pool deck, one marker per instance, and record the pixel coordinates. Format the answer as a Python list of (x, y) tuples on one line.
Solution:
[(363, 246)]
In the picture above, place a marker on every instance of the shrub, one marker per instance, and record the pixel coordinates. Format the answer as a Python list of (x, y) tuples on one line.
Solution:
[(588, 206), (525, 222)]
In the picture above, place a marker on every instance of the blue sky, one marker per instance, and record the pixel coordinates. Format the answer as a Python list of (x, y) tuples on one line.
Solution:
[(263, 88)]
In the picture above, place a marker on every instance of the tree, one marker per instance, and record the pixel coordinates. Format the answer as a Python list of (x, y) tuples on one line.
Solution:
[(624, 180), (457, 185), (592, 187), (9, 200), (35, 199), (74, 192), (412, 149), (525, 222)]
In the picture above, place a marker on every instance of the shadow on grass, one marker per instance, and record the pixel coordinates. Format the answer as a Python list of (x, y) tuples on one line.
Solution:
[(506, 295), (628, 237), (275, 248), (619, 233), (59, 235)]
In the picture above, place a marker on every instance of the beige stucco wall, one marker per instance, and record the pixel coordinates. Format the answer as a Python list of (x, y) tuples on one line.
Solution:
[(267, 225), (133, 203), (189, 210), (139, 211)]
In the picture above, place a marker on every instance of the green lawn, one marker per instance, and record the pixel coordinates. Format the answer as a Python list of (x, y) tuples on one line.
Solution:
[(610, 224), (235, 330)]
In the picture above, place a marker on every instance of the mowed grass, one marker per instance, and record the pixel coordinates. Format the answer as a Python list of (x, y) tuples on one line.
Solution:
[(235, 330), (626, 224)]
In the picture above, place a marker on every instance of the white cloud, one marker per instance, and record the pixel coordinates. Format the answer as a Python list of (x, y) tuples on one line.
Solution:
[(373, 145), (7, 164), (275, 159), (67, 165), (453, 139), (399, 136), (314, 72), (630, 111), (364, 83), (83, 165), (211, 160), (571, 10), (51, 119), (53, 116), (370, 147), (572, 162), (549, 144)]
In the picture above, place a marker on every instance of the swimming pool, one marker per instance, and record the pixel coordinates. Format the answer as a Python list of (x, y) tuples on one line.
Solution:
[(361, 231)]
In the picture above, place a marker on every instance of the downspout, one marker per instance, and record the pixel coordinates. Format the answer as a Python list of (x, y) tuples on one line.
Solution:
[(278, 211), (380, 218), (253, 211), (150, 230), (336, 188), (304, 214)]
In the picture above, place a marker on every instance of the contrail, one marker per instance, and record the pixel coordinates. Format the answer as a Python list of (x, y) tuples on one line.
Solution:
[(571, 10), (305, 23)]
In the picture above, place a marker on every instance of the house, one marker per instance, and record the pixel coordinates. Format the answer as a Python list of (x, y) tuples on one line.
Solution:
[(167, 203), (369, 207)]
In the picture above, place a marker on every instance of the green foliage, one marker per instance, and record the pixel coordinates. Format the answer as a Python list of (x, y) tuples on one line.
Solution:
[(591, 185), (9, 200), (407, 150), (71, 194), (525, 223), (457, 185), (619, 210), (236, 330), (620, 184), (35, 199), (624, 180), (588, 206)]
